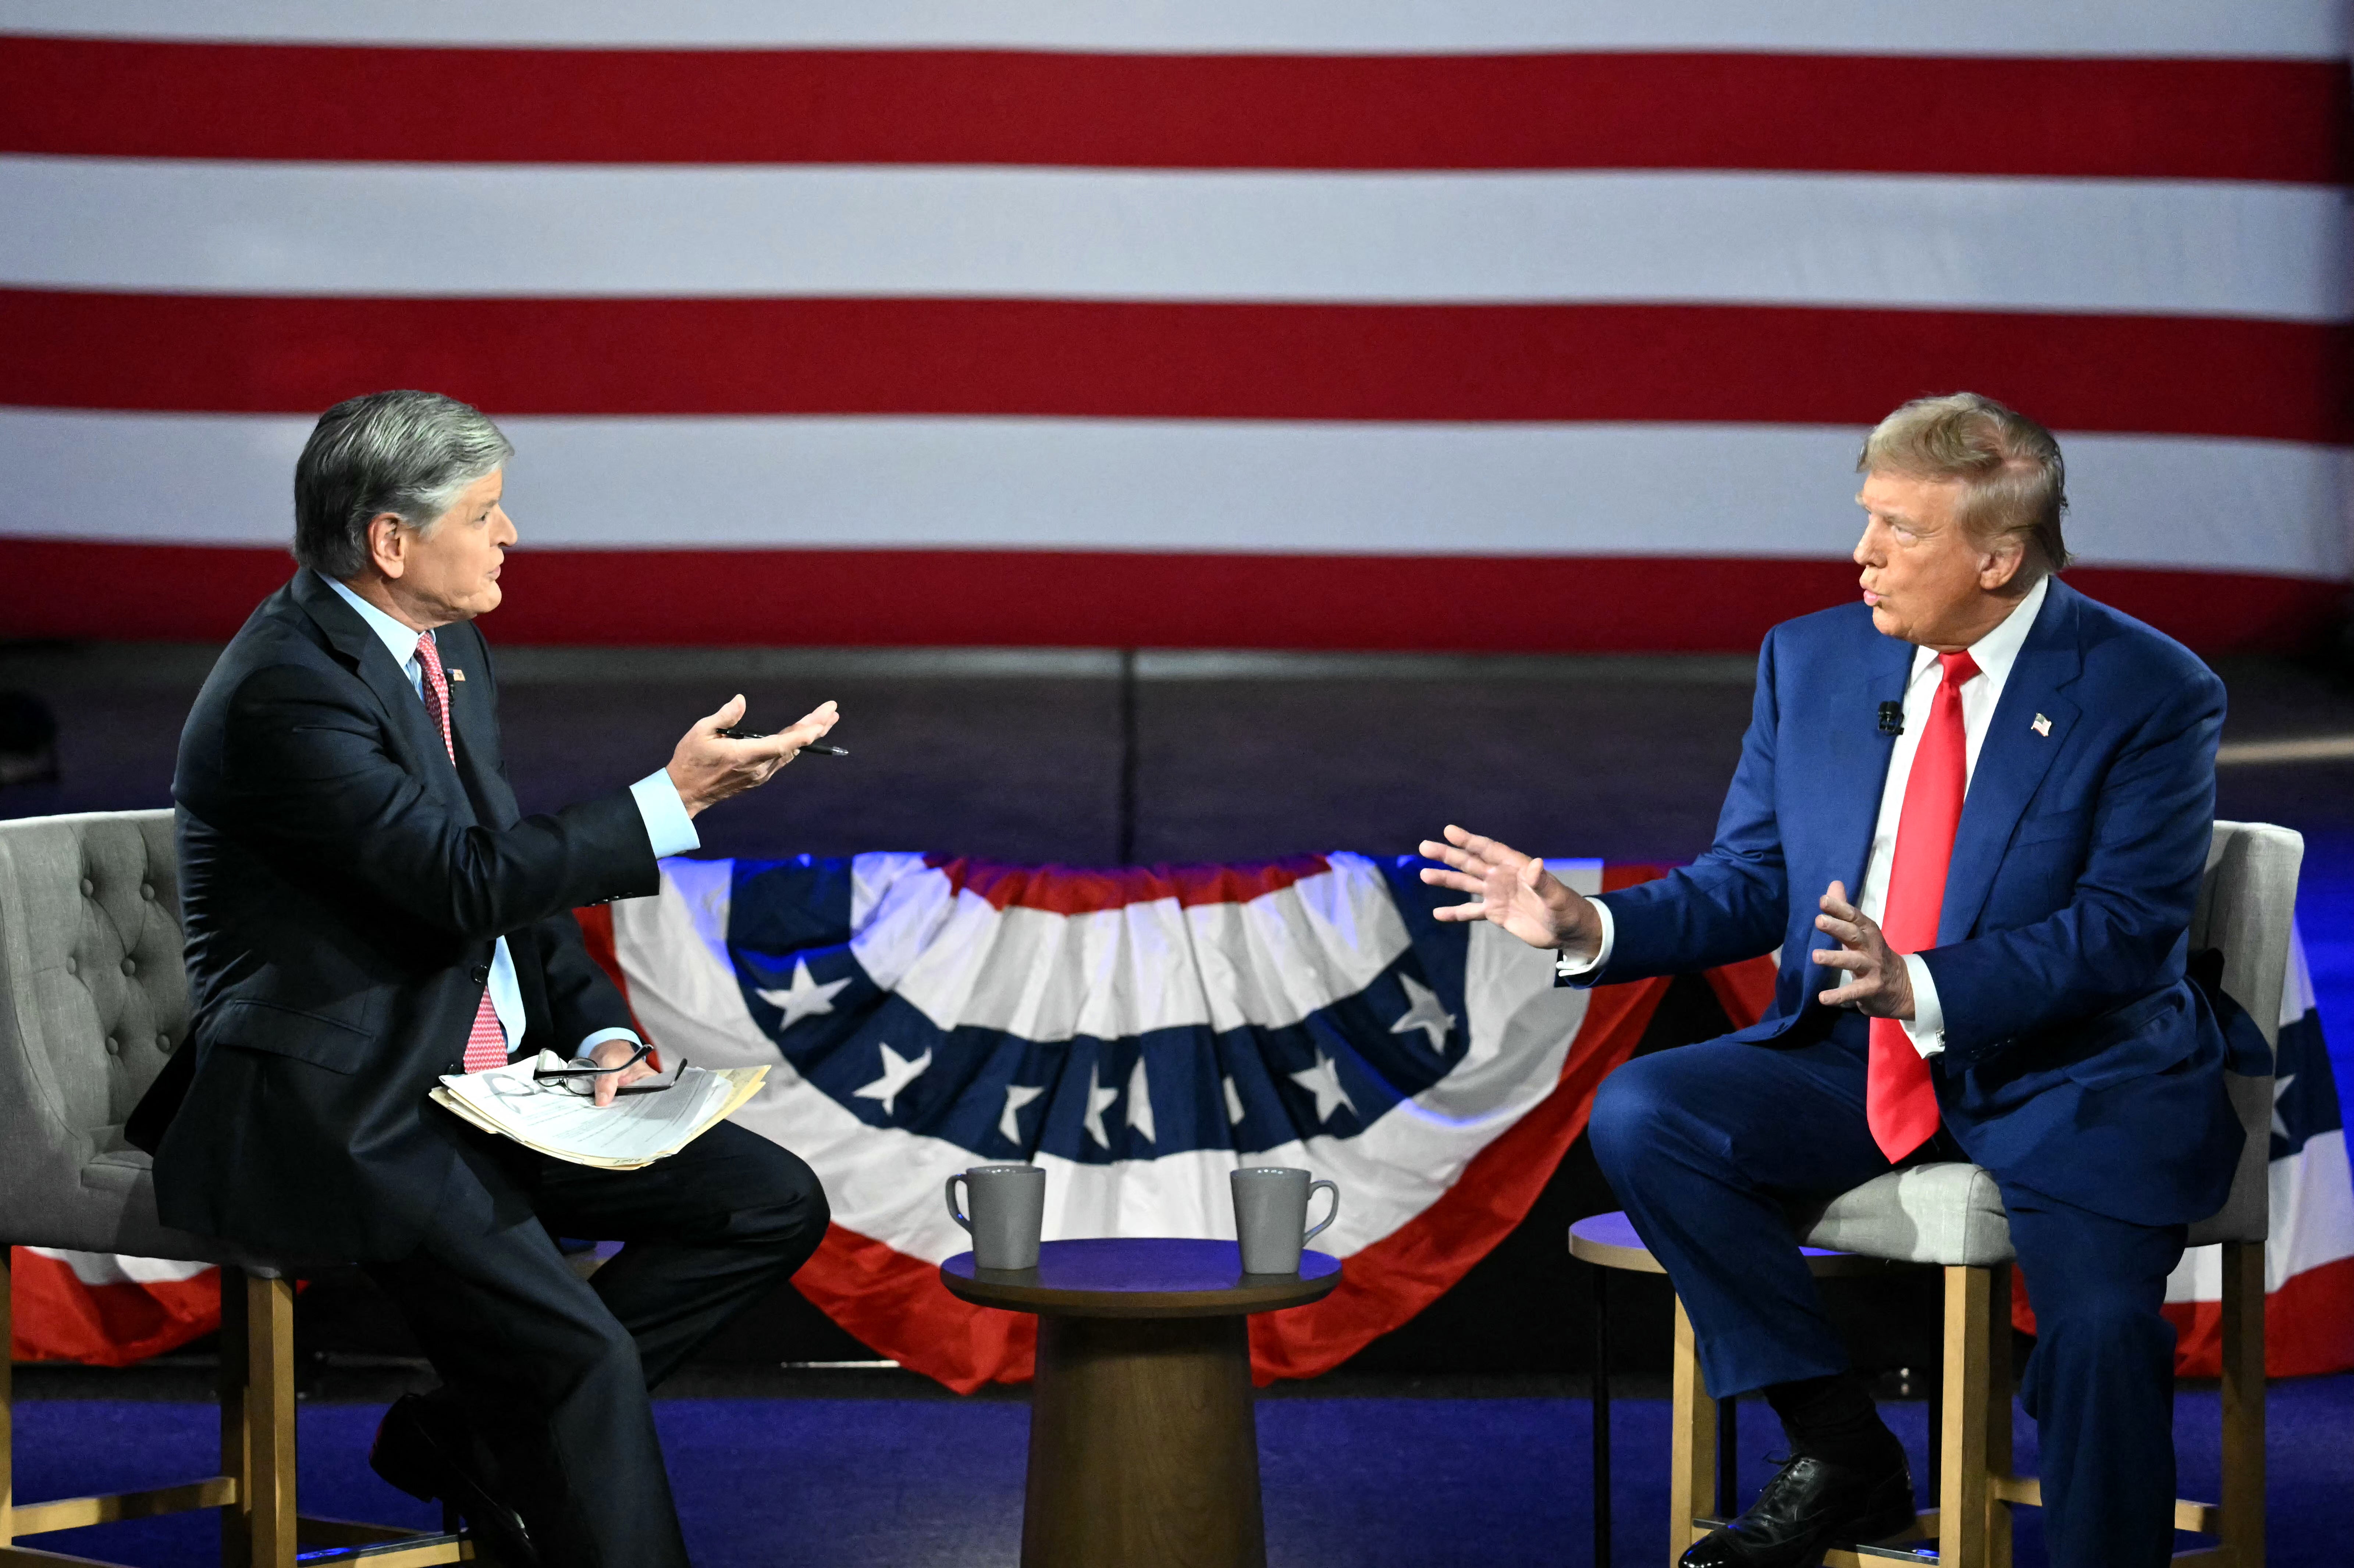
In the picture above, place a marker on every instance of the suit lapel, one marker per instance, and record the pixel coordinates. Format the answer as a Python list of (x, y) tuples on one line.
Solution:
[(406, 724), (2013, 758)]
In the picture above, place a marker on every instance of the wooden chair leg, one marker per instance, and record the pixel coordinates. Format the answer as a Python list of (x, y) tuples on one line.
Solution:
[(2243, 1532), (236, 1393), (8, 1407), (1962, 1499), (1692, 1475), (1998, 1457), (269, 1420)]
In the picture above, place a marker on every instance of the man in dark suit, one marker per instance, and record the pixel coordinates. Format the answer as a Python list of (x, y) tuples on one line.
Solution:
[(2020, 784), (366, 910)]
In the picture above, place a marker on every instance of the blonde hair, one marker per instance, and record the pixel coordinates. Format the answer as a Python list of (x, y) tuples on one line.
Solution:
[(2013, 480)]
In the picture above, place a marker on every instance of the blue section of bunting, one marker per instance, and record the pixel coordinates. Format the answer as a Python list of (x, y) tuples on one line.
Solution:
[(1334, 1073), (2305, 1094)]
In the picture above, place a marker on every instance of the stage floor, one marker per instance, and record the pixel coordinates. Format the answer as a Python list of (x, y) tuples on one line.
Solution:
[(875, 1471)]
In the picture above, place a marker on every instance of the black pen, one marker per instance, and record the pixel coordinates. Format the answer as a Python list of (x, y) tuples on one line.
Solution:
[(820, 748)]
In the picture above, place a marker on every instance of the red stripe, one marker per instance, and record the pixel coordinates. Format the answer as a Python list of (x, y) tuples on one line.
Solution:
[(58, 1318), (1566, 604), (2158, 375), (2308, 1327), (1075, 890), (2175, 119)]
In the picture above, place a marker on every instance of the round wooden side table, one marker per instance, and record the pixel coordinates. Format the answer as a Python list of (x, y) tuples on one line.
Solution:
[(1143, 1448)]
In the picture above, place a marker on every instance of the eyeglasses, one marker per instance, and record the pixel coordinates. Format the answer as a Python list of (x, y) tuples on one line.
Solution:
[(583, 1080)]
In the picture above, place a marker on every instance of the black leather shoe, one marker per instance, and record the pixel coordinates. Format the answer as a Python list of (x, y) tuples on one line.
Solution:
[(421, 1448), (1811, 1505)]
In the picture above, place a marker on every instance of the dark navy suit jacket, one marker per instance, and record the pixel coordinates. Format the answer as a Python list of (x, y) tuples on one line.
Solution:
[(343, 886), (2080, 1062)]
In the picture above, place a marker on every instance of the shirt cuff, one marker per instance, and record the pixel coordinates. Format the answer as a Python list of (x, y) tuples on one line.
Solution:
[(1566, 968), (1927, 1027), (668, 827), (593, 1041)]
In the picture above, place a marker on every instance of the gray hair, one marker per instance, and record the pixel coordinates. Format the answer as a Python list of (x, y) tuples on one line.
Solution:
[(409, 453), (2013, 480)]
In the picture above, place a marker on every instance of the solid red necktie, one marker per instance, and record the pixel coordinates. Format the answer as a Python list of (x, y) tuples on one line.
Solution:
[(1900, 1103), (486, 1042)]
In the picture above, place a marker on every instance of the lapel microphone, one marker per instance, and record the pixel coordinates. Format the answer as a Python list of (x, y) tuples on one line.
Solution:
[(1891, 719)]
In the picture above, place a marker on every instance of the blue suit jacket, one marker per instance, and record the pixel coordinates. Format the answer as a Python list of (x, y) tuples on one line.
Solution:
[(2079, 1061)]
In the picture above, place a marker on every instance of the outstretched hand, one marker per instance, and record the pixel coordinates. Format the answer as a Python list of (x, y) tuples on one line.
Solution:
[(708, 767), (1876, 982), (1512, 890)]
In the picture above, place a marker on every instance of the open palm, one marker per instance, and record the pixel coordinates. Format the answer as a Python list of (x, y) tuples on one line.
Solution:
[(1512, 890)]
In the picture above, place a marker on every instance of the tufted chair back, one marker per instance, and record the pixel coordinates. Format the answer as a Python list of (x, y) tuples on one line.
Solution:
[(2247, 906), (94, 999)]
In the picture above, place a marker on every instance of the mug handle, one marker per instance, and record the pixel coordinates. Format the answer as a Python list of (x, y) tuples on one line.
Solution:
[(958, 1216), (1330, 1217)]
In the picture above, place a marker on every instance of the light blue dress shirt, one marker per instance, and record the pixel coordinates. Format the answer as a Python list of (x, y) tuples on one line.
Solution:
[(668, 827)]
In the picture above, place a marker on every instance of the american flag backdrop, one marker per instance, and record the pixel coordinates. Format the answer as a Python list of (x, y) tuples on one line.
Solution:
[(1381, 324)]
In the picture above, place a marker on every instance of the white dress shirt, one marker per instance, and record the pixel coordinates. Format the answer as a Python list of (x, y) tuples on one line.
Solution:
[(668, 827), (1994, 654)]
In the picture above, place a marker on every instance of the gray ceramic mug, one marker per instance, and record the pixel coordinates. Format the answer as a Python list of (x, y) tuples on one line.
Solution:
[(1009, 1209), (1271, 1216)]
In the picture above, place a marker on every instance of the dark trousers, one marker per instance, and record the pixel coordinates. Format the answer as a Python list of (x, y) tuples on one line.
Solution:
[(1704, 1144), (553, 1370)]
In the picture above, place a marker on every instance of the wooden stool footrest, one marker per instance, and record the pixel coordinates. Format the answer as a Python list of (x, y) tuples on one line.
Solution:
[(73, 1514)]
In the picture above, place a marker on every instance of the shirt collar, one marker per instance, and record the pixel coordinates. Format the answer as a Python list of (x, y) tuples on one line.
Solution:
[(399, 640), (1996, 652)]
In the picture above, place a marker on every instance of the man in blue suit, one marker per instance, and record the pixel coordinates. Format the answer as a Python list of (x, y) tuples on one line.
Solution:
[(2019, 784)]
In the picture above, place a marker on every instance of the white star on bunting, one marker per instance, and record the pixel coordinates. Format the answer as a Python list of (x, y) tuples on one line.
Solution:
[(1424, 1014), (1140, 1103), (897, 1073), (1234, 1101), (2280, 1085), (1323, 1081), (1016, 1096), (806, 999), (1099, 1100)]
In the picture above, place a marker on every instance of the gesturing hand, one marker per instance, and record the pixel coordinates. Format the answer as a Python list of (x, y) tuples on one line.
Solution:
[(1877, 981), (708, 767), (1512, 890)]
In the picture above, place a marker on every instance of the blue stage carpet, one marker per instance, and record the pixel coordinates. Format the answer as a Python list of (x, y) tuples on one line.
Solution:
[(909, 1483)]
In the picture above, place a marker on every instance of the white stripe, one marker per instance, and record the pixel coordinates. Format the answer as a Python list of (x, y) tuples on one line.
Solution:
[(114, 1268), (1119, 973), (884, 1183), (2297, 989), (2305, 28), (2145, 246), (1179, 485)]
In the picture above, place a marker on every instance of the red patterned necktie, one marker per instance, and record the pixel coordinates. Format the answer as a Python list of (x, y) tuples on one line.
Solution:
[(1900, 1104), (486, 1042)]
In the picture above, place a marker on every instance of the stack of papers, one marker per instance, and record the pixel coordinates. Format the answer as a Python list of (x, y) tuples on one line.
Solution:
[(634, 1131)]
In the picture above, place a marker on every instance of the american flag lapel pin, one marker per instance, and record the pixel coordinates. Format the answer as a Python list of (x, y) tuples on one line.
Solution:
[(2043, 727), (458, 674)]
